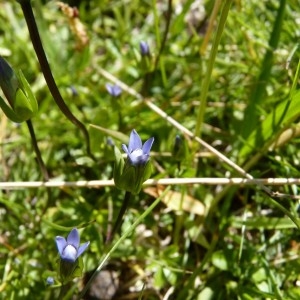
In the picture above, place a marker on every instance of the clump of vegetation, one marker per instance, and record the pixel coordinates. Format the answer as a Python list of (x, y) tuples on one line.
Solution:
[(203, 98)]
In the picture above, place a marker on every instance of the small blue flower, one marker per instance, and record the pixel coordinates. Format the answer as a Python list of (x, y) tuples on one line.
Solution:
[(144, 48), (69, 250), (113, 90), (130, 175), (138, 154), (50, 280)]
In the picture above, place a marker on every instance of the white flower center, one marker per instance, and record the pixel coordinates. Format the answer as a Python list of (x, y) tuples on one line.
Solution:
[(136, 153), (70, 253)]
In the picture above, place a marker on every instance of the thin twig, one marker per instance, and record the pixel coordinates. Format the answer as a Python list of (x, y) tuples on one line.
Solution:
[(157, 182)]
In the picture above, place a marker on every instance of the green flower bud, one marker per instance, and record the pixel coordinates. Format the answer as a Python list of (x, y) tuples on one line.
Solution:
[(21, 104), (180, 149), (146, 62)]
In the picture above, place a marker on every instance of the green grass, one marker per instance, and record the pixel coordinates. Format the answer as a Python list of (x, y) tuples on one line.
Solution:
[(239, 93)]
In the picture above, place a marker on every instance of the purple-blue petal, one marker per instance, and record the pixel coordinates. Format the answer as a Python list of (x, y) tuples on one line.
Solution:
[(117, 90), (138, 160), (82, 248), (73, 238), (61, 243), (144, 48), (135, 141), (147, 146), (109, 88), (125, 149), (113, 90)]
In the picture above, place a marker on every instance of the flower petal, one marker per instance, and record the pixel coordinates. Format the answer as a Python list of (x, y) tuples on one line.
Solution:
[(138, 160), (61, 243), (113, 90), (73, 238), (82, 248), (135, 141), (116, 90), (147, 146), (109, 88), (125, 149), (144, 48)]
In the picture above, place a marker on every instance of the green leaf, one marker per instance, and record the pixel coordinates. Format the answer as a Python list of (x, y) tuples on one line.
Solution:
[(65, 228), (119, 166), (265, 223), (219, 260), (9, 112), (30, 102), (268, 130), (113, 133)]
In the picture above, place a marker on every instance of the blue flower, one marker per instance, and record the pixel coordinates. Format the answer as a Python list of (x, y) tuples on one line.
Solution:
[(138, 154), (69, 250), (113, 90), (130, 175), (50, 280), (144, 48)]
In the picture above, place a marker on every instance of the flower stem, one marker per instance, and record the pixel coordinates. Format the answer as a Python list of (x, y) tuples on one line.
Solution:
[(39, 158), (40, 53), (37, 151), (119, 220), (64, 291)]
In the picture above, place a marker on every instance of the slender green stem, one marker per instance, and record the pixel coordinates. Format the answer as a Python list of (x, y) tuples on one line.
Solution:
[(190, 283), (63, 293), (252, 113), (40, 161), (211, 23), (119, 220), (149, 76), (179, 219), (156, 24), (166, 31), (39, 50), (162, 43), (37, 151), (121, 239), (210, 64)]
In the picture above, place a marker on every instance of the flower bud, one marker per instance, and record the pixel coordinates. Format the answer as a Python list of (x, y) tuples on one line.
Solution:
[(144, 48), (20, 104), (179, 149), (146, 64)]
